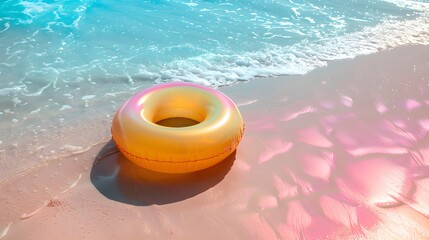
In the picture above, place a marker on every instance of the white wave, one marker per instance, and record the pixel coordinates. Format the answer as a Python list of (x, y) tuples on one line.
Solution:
[(421, 6), (221, 69)]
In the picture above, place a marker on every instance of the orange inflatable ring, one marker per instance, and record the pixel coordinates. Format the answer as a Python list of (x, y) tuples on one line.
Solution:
[(166, 149)]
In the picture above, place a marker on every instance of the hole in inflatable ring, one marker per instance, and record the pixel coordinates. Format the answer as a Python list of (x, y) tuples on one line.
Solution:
[(177, 122), (177, 109)]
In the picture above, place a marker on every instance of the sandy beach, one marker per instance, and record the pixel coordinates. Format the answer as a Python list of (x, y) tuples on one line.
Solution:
[(339, 153)]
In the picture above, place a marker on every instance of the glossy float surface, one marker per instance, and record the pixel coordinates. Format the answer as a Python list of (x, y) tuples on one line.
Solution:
[(160, 148)]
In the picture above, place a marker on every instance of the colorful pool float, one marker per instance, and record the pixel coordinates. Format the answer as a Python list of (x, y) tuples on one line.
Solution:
[(137, 131)]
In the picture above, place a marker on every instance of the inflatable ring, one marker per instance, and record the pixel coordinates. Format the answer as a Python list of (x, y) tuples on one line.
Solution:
[(136, 131)]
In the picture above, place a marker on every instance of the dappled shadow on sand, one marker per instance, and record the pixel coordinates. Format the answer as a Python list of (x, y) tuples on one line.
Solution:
[(120, 180)]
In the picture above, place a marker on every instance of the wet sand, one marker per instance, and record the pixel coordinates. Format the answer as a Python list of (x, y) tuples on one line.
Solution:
[(340, 153)]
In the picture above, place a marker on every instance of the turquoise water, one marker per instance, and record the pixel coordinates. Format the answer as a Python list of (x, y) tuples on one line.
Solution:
[(66, 63), (212, 42)]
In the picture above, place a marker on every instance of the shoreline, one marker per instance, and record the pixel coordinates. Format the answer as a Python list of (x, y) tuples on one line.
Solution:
[(57, 126), (297, 172)]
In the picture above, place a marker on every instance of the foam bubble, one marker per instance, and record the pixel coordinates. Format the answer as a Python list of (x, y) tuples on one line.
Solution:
[(64, 107), (35, 111), (72, 148), (87, 97), (9, 91)]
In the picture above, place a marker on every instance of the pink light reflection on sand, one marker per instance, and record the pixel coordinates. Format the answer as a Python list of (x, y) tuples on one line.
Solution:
[(346, 101), (294, 113), (317, 166), (313, 136), (420, 198), (274, 147), (363, 180), (284, 189), (412, 104), (340, 209), (381, 108), (352, 161), (378, 136)]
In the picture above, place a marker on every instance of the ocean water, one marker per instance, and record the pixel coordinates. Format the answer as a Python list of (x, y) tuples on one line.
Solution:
[(67, 65)]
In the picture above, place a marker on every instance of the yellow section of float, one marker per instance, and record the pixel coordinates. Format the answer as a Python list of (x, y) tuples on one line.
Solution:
[(142, 140)]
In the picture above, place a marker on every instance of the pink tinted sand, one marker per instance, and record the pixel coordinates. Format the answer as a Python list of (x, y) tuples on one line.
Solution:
[(340, 153)]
